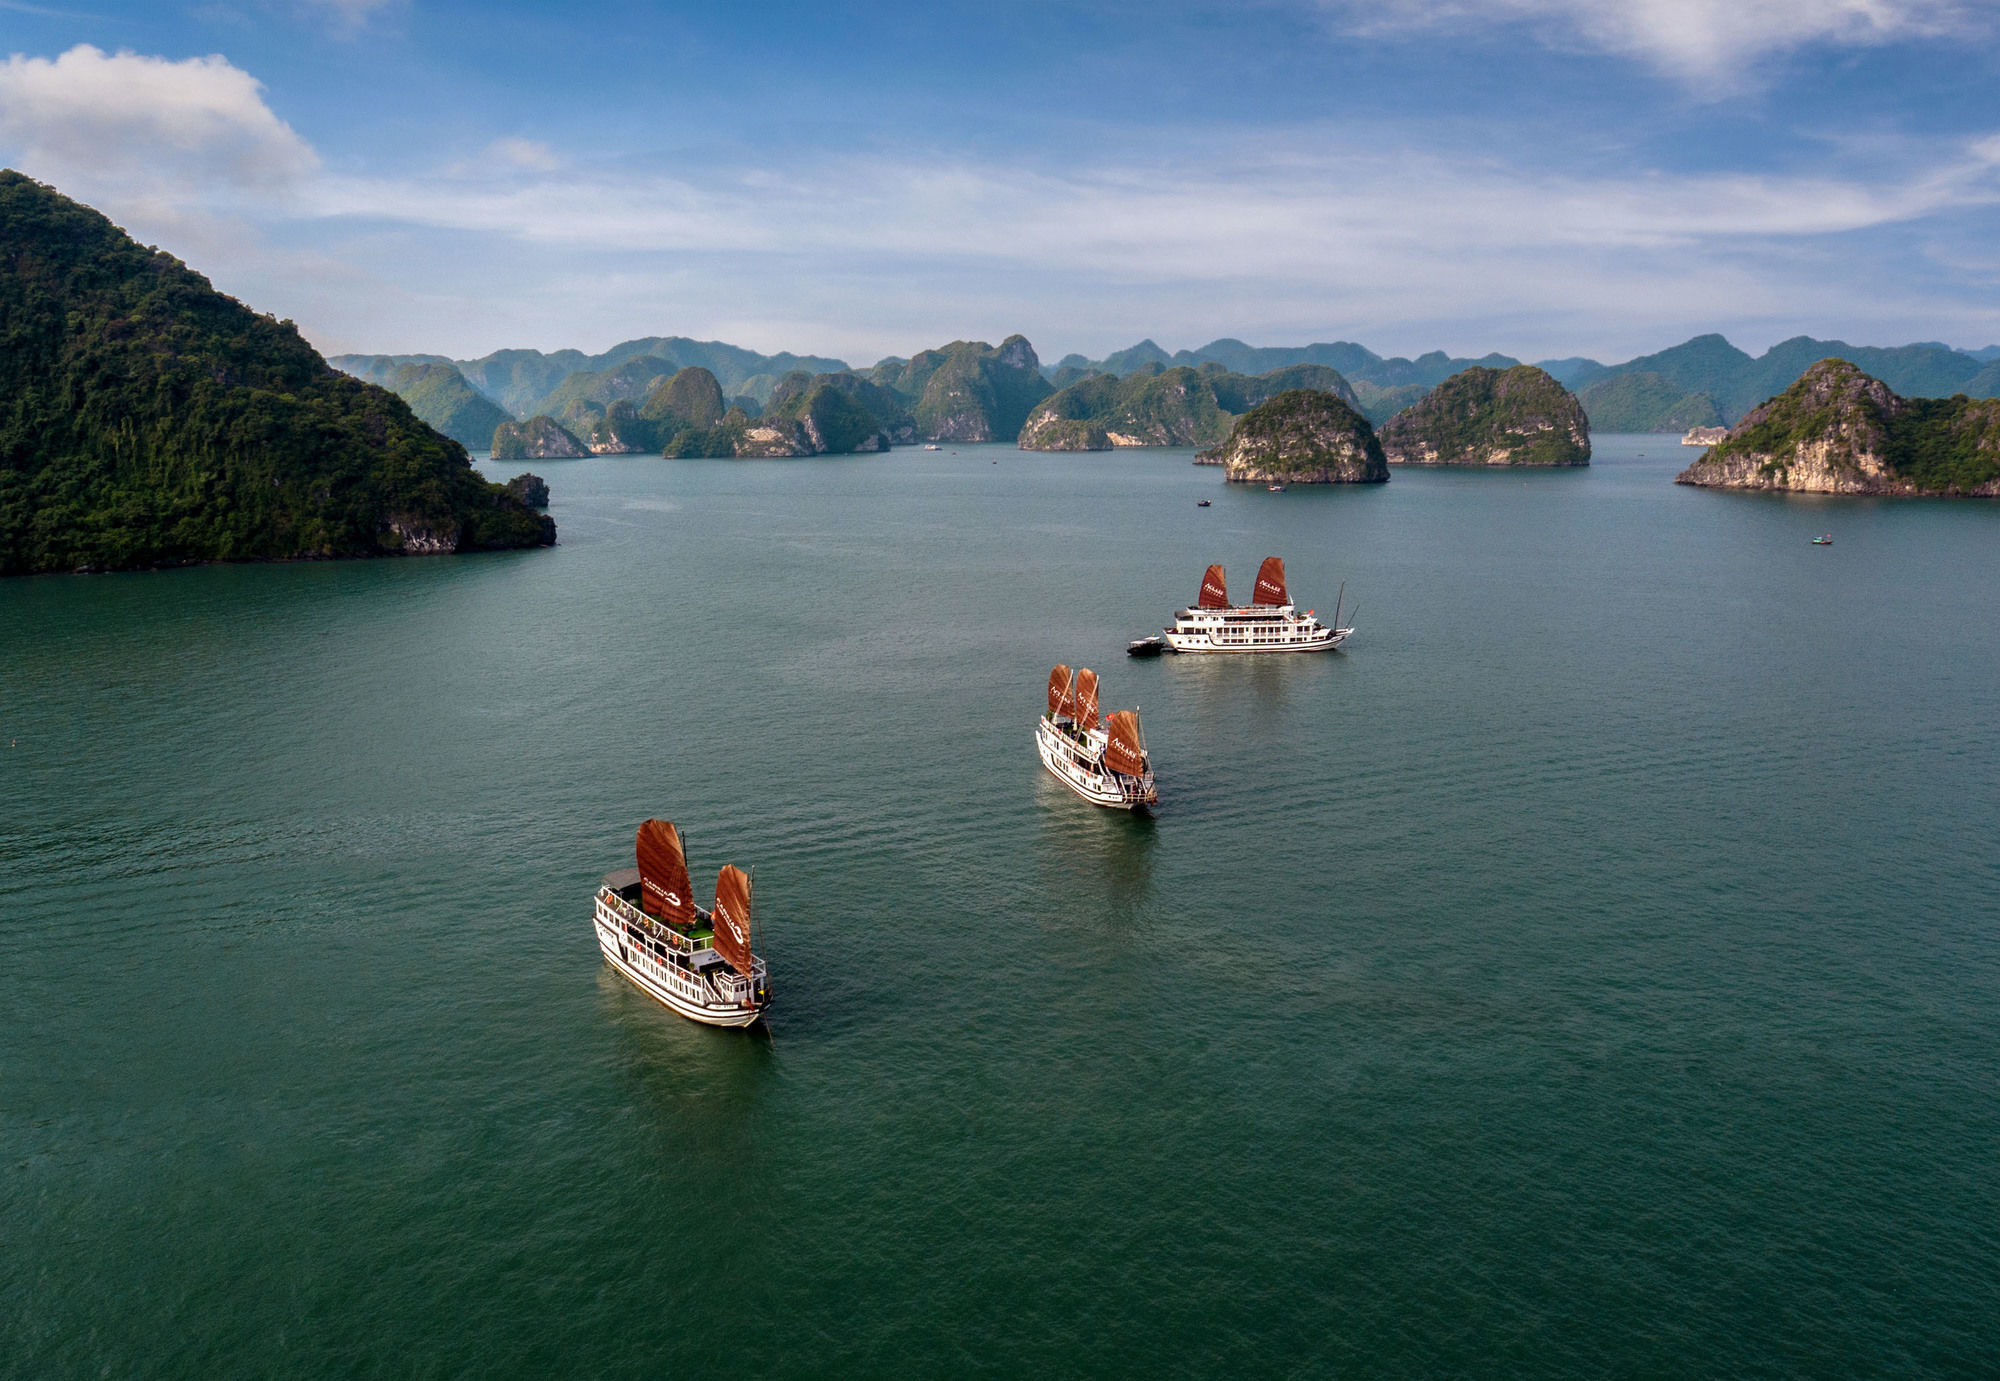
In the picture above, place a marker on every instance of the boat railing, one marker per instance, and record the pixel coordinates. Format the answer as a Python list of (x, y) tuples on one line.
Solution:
[(649, 924)]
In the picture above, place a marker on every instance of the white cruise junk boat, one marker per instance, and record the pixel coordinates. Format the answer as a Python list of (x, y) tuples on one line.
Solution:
[(1105, 764), (697, 962), (1269, 623)]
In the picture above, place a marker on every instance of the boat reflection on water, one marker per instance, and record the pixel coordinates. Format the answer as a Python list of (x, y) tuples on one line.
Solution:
[(1099, 862)]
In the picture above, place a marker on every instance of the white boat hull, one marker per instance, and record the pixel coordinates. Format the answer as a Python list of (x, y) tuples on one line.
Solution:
[(1100, 788), (687, 994), (1202, 642)]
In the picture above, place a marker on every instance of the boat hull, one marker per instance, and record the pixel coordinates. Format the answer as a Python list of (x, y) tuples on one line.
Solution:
[(653, 980), (1098, 788), (1200, 641)]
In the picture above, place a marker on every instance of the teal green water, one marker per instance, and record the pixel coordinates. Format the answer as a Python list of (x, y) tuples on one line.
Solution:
[(1595, 970)]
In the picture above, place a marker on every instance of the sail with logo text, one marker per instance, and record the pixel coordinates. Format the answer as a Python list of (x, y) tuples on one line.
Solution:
[(697, 962), (1270, 622), (1103, 761)]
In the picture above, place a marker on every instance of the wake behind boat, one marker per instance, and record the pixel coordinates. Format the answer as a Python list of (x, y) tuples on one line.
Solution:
[(1269, 623), (697, 962), (1106, 763)]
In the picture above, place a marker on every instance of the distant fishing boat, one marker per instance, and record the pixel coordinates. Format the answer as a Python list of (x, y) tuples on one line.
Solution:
[(1204, 503), (1105, 763), (697, 962), (1823, 541), (930, 446), (1274, 488), (1269, 623)]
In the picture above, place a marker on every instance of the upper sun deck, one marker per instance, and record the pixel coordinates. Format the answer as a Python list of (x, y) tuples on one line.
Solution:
[(621, 892), (1243, 613)]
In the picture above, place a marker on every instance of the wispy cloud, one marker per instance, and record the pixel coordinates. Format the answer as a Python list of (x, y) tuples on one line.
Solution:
[(1291, 231), (1327, 234), (1700, 41)]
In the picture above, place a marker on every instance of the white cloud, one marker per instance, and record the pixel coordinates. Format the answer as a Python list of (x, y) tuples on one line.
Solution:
[(524, 153), (885, 254), (88, 118), (1697, 40)]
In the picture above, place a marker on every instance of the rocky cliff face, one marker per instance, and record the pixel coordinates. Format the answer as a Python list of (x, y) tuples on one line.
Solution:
[(538, 438), (1302, 437), (1839, 431), (1517, 416)]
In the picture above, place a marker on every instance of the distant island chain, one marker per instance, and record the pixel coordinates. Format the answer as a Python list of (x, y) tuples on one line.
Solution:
[(155, 421)]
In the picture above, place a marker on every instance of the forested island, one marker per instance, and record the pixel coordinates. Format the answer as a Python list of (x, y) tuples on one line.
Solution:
[(147, 419), (1305, 436), (1516, 417), (1838, 430), (1140, 396)]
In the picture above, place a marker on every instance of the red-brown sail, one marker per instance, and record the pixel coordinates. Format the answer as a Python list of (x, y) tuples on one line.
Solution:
[(664, 888), (1122, 752), (1271, 582), (1214, 590), (1059, 692), (1085, 700), (732, 918)]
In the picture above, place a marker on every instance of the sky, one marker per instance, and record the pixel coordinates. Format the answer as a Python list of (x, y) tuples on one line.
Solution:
[(1544, 178)]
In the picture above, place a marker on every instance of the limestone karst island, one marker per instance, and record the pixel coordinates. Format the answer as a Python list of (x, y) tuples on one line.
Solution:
[(154, 421), (150, 420), (1838, 431)]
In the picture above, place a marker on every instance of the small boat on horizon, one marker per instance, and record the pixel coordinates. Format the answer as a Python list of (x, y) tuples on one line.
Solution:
[(697, 962), (1274, 489), (1105, 763), (1204, 503), (1826, 540), (932, 446), (1269, 623)]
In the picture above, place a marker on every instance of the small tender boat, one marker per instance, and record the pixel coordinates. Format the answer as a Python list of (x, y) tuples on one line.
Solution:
[(697, 962), (1269, 623), (932, 446), (1203, 503), (1274, 488), (1105, 763), (1146, 647), (1823, 541)]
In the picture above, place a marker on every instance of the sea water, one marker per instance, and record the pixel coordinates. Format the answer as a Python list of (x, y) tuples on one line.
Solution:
[(1594, 969)]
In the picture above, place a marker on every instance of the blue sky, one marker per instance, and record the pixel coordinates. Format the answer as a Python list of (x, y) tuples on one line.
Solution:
[(1541, 177)]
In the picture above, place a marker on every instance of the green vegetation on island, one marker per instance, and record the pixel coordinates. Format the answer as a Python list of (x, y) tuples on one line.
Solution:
[(538, 438), (1517, 417), (1645, 402), (1306, 436), (147, 419), (1838, 430), (1156, 406), (439, 395), (968, 390)]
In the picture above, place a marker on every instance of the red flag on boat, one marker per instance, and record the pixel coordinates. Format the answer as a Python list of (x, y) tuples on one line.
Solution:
[(1122, 751), (664, 888), (1085, 702), (1271, 583), (732, 918), (1059, 691), (1214, 590)]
